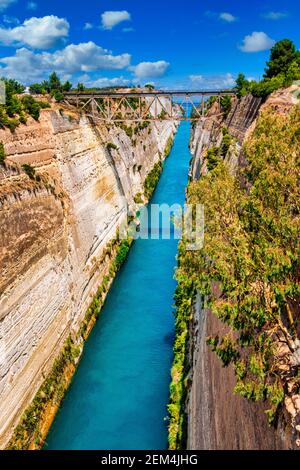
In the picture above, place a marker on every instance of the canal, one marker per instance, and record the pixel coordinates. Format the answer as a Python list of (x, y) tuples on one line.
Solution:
[(119, 395)]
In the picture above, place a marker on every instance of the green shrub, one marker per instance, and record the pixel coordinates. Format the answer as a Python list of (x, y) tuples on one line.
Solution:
[(226, 103), (212, 158), (226, 142), (58, 96), (29, 170), (152, 179), (138, 198), (122, 253), (31, 106), (111, 146), (169, 146), (2, 153)]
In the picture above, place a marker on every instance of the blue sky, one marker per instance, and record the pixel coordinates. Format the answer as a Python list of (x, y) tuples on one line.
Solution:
[(172, 43)]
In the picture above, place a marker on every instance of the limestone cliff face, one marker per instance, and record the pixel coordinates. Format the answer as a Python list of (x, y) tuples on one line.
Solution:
[(218, 419), (53, 233)]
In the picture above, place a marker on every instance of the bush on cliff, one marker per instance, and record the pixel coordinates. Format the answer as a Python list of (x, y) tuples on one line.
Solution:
[(252, 253), (2, 153), (152, 179), (16, 109)]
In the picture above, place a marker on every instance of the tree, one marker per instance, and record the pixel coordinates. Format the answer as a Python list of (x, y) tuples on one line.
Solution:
[(283, 53), (38, 88), (12, 86), (242, 85), (67, 86), (80, 87), (54, 82), (226, 105), (150, 86), (251, 252), (293, 72)]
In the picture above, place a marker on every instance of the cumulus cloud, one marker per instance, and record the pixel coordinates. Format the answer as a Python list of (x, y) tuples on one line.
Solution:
[(256, 42), (228, 17), (104, 81), (212, 82), (5, 3), (84, 57), (150, 69), (110, 19), (275, 15), (39, 33)]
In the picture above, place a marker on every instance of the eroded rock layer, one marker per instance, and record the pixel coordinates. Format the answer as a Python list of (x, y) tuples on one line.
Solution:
[(54, 228)]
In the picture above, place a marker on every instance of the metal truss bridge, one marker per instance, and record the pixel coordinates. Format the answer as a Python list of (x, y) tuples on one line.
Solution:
[(124, 106)]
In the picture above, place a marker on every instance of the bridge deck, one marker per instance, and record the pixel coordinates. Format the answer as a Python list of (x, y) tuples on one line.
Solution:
[(145, 94)]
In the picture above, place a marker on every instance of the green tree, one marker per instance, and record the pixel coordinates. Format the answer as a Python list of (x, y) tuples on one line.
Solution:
[(242, 85), (38, 88), (293, 72), (80, 87), (67, 86), (54, 82), (13, 87), (283, 53), (150, 86), (226, 104)]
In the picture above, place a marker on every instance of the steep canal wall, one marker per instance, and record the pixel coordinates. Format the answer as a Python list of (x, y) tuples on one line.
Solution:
[(216, 418), (58, 250)]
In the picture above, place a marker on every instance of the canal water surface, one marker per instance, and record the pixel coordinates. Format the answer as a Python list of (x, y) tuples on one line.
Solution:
[(119, 395)]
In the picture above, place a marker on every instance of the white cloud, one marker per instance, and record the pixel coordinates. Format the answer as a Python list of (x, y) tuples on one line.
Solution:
[(5, 3), (28, 66), (40, 33), (10, 20), (275, 15), (31, 6), (213, 81), (88, 26), (112, 18), (104, 81), (228, 17), (150, 69), (256, 42)]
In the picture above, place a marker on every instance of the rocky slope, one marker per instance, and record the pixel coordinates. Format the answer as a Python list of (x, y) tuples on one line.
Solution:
[(218, 419), (55, 227)]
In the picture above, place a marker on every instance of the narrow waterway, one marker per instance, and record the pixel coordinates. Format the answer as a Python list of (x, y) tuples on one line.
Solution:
[(119, 394)]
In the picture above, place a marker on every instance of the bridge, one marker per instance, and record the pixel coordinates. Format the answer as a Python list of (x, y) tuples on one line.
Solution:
[(139, 106)]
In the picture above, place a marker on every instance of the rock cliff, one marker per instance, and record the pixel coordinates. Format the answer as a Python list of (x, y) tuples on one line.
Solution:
[(55, 227)]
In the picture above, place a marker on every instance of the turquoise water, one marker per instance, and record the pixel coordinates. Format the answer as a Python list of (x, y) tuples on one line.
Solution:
[(119, 394)]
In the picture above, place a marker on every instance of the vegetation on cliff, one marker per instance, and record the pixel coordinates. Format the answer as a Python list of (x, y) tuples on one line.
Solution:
[(281, 70), (52, 86), (153, 176), (248, 269), (17, 108), (2, 153), (184, 295)]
